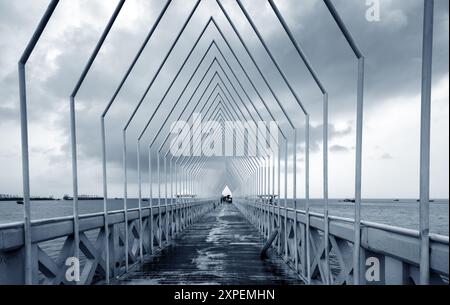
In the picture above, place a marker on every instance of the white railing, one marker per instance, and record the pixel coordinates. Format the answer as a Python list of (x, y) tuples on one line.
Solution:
[(52, 242), (396, 251)]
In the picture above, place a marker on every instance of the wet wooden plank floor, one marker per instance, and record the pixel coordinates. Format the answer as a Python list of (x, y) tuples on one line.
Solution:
[(222, 248)]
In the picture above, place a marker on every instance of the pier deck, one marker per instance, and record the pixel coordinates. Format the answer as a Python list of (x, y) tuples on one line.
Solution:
[(222, 248)]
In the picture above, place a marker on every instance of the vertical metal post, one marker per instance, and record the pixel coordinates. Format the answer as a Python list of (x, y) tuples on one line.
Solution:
[(294, 185), (125, 197), (258, 179), (269, 193), (177, 206), (273, 191), (183, 198), (261, 181), (189, 189), (358, 167), (425, 129), (186, 189), (308, 244), (266, 194), (76, 226), (325, 190), (279, 196), (166, 200), (150, 220), (188, 206), (141, 231), (183, 180), (180, 185), (255, 191), (25, 176), (193, 194), (258, 191), (105, 193), (159, 198), (171, 198), (285, 199)]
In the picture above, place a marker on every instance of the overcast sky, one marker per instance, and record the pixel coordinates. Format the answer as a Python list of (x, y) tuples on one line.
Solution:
[(392, 48)]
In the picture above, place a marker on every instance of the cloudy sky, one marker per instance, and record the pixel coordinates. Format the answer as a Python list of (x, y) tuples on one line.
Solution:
[(392, 48)]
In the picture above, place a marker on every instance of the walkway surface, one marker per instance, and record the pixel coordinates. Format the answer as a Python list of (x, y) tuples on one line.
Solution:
[(222, 248)]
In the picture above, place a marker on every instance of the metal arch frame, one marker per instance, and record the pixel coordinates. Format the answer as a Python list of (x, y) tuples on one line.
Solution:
[(216, 107), (359, 134), (243, 175), (106, 110), (273, 93), (243, 70), (225, 74), (425, 130), (74, 143), (172, 47), (201, 61), (149, 149), (241, 66), (231, 49), (203, 159), (253, 60), (222, 81), (188, 159), (261, 39), (201, 98), (324, 92), (190, 99), (217, 114), (125, 128), (170, 165), (185, 148), (178, 74), (208, 126), (24, 135), (204, 93), (222, 105), (197, 103)]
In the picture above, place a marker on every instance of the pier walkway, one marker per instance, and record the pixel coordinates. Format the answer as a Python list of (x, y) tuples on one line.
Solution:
[(221, 248), (217, 80)]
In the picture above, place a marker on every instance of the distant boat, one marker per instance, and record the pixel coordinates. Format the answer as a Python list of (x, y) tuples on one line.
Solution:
[(83, 197), (349, 200), (19, 202)]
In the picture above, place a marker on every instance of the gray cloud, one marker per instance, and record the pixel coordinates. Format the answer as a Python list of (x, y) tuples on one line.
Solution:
[(386, 156), (392, 48), (339, 148)]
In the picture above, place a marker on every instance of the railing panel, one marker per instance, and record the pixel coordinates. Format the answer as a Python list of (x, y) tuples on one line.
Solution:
[(395, 250), (53, 243)]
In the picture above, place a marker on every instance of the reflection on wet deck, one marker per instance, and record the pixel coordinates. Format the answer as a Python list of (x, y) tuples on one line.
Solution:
[(223, 248)]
